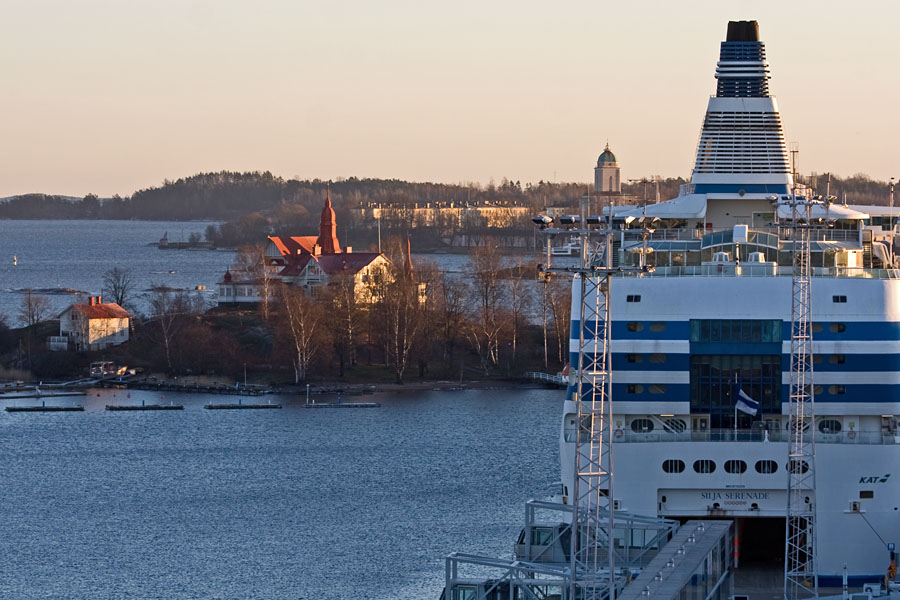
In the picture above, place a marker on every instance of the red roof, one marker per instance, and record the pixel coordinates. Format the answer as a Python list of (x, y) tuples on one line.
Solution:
[(353, 262), (295, 266), (288, 246), (106, 310)]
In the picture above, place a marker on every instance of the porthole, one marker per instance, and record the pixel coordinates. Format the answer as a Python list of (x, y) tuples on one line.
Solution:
[(673, 465), (818, 359), (766, 467), (704, 466), (830, 426), (658, 358), (635, 388), (837, 390), (657, 326), (818, 390), (657, 388), (798, 466), (817, 327), (837, 359), (635, 358), (634, 326), (837, 328), (735, 466), (642, 426)]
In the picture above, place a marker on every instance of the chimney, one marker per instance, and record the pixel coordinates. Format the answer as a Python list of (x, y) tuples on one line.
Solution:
[(317, 250), (99, 299)]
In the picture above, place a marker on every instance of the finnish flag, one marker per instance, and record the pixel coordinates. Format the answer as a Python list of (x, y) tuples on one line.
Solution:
[(745, 403)]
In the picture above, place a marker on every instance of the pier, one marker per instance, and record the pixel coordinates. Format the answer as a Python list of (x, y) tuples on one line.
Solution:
[(44, 409), (186, 388), (125, 407), (239, 406), (343, 405)]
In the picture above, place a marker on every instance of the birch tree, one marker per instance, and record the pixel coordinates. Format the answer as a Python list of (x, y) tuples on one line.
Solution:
[(303, 315)]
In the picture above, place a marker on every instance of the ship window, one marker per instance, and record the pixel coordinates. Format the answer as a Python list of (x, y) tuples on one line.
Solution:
[(766, 467), (817, 327), (657, 388), (658, 358), (735, 466), (798, 466), (837, 359), (642, 426), (818, 390), (633, 298), (837, 328), (818, 359), (635, 388), (635, 358), (675, 425), (657, 326), (634, 326), (839, 299), (830, 426), (866, 494), (541, 536), (673, 465), (704, 466), (837, 390), (464, 592)]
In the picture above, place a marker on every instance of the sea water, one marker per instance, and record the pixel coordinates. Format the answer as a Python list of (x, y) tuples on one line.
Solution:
[(267, 504)]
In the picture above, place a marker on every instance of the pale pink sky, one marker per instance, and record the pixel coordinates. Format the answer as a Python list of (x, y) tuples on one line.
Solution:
[(117, 95)]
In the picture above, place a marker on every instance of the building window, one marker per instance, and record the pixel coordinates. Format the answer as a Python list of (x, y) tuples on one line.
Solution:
[(766, 467), (673, 465), (633, 298), (736, 331), (704, 466), (642, 426), (735, 467)]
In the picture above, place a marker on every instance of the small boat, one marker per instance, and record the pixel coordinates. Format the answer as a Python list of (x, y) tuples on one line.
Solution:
[(15, 260)]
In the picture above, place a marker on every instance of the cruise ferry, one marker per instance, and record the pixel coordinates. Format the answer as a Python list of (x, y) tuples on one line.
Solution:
[(712, 322)]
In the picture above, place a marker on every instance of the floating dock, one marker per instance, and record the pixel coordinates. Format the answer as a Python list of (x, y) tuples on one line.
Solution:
[(343, 405), (44, 409), (239, 406), (144, 407), (40, 395)]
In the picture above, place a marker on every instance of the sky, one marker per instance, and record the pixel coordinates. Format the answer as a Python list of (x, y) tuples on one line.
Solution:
[(112, 96)]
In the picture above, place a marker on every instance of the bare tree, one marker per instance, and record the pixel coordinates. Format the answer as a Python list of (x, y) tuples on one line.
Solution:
[(559, 300), (34, 308), (346, 319), (118, 285), (251, 263), (169, 310), (302, 315), (520, 301), (449, 301), (487, 295), (397, 318)]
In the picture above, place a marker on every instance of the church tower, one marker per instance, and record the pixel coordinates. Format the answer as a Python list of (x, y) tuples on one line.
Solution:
[(327, 239), (607, 176)]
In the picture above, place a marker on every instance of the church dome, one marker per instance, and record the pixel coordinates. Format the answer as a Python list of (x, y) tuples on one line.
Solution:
[(606, 158)]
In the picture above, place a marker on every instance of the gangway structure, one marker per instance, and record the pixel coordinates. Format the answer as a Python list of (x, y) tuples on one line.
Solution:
[(593, 556)]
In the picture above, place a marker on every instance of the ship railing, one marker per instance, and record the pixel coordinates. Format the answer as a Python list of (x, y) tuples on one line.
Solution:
[(765, 270), (870, 438), (557, 379)]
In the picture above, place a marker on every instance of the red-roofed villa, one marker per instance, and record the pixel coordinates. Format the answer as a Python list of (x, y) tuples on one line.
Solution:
[(96, 325)]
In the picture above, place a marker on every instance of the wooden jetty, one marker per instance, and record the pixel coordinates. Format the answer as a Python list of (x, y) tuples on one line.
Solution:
[(40, 395), (44, 409), (343, 405), (239, 406), (189, 388), (144, 407)]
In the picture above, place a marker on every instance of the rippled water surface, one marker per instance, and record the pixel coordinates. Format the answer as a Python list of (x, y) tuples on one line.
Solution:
[(291, 503)]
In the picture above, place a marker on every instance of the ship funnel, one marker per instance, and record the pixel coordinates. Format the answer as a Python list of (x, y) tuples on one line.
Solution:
[(742, 31)]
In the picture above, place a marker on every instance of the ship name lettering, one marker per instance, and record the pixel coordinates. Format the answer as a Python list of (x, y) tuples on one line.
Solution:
[(734, 495)]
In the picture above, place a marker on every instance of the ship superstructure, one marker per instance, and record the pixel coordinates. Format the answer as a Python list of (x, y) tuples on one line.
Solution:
[(701, 346)]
